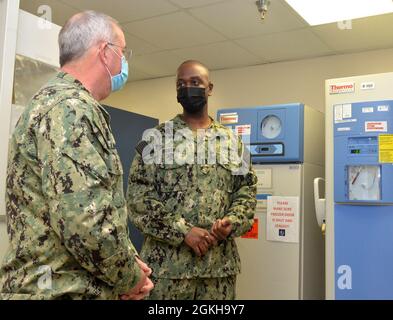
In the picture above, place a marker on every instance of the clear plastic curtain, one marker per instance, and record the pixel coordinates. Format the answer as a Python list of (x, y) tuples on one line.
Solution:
[(30, 76)]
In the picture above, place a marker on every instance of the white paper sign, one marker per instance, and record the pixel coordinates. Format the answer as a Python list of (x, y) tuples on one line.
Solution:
[(283, 219), (347, 111), (338, 112)]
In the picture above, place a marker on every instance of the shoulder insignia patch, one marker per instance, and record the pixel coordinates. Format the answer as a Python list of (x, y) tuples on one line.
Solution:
[(140, 146)]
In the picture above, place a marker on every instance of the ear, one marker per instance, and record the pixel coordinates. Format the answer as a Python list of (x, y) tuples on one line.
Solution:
[(103, 53), (210, 91)]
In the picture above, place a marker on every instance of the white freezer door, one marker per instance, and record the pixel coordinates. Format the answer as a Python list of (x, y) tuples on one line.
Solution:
[(271, 270)]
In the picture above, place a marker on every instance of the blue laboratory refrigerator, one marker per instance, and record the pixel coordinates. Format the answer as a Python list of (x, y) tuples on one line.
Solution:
[(283, 255), (359, 191)]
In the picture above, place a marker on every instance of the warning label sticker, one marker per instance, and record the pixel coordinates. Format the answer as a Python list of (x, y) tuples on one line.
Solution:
[(376, 126), (253, 232), (229, 118), (386, 148), (244, 130)]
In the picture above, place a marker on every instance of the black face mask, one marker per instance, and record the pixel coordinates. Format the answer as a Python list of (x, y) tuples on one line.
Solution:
[(193, 99)]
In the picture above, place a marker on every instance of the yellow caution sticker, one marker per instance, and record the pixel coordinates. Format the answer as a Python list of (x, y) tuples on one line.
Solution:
[(386, 148)]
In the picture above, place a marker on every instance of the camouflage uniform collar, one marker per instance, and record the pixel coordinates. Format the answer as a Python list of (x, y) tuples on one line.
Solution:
[(75, 82), (69, 78), (179, 122)]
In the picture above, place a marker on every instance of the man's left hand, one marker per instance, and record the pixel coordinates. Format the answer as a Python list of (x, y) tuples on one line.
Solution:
[(221, 228)]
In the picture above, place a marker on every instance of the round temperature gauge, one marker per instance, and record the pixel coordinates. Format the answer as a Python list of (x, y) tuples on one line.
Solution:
[(271, 127), (364, 183)]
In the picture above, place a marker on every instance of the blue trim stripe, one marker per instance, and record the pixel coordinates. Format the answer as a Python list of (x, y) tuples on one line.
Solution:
[(263, 196)]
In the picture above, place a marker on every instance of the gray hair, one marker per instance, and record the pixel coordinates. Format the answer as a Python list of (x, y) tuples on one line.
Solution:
[(82, 31)]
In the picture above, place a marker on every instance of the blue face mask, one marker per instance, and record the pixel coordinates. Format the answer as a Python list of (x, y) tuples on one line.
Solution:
[(118, 81)]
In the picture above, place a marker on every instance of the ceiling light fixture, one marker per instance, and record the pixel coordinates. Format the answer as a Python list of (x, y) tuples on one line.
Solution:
[(262, 6), (317, 12)]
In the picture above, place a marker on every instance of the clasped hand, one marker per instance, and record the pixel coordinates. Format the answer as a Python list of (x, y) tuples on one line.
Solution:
[(200, 240)]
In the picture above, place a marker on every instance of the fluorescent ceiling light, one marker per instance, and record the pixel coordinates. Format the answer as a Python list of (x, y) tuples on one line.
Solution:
[(317, 12)]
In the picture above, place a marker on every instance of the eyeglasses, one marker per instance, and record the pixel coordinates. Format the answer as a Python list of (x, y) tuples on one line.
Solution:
[(127, 53)]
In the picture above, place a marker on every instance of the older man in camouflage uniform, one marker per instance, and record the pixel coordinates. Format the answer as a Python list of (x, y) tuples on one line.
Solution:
[(191, 212), (66, 212)]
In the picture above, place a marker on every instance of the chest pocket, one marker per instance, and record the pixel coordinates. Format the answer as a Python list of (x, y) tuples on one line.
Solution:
[(215, 177), (174, 177)]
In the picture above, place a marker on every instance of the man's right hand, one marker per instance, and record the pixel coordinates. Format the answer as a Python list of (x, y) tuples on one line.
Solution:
[(199, 240), (145, 268), (143, 287)]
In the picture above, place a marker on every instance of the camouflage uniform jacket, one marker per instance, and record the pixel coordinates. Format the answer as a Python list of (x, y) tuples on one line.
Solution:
[(166, 200), (66, 212)]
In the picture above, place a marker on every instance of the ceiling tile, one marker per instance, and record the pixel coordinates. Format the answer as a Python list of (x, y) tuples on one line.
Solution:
[(366, 34), (220, 33), (135, 74), (286, 46), (173, 31), (219, 55), (240, 18), (139, 46), (193, 3), (60, 12), (125, 10), (158, 64)]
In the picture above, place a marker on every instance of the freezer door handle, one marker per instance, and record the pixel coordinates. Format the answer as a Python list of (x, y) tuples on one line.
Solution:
[(320, 209)]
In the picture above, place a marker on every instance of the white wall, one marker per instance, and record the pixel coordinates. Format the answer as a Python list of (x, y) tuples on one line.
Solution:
[(8, 36), (295, 81)]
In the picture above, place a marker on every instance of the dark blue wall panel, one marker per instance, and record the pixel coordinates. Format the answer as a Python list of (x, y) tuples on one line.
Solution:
[(128, 128)]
